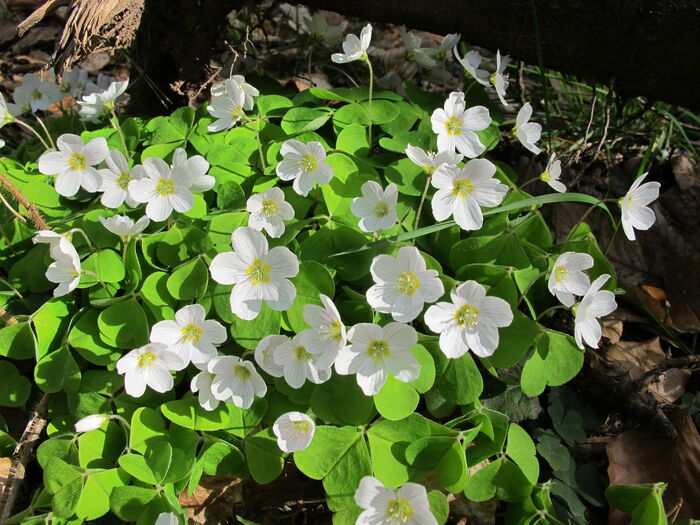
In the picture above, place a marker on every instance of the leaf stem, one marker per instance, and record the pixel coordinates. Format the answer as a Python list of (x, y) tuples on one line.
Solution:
[(48, 135), (422, 200), (34, 132), (369, 101), (115, 124)]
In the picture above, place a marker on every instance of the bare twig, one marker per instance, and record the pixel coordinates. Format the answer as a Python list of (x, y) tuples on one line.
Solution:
[(687, 362), (36, 217)]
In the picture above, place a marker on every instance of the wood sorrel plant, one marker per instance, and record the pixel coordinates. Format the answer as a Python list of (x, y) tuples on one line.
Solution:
[(256, 322)]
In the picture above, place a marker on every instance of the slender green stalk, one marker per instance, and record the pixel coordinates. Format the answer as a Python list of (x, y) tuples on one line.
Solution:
[(369, 101), (422, 200), (115, 124), (48, 135), (34, 132)]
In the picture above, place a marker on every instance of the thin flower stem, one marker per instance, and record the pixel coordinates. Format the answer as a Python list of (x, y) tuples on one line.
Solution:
[(420, 204), (530, 285), (369, 102), (257, 136), (585, 215), (48, 135), (550, 309), (115, 124), (11, 209), (534, 179), (85, 236), (34, 132)]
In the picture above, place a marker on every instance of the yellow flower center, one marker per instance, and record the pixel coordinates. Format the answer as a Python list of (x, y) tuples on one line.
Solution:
[(559, 274), (308, 163), (146, 359), (36, 94), (336, 330), (241, 372), (259, 272), (123, 180), (453, 126), (165, 187), (378, 350), (399, 510), (191, 333), (626, 202), (303, 427), (301, 354), (462, 187), (269, 208), (75, 273), (545, 176), (467, 315), (7, 118), (407, 283), (236, 112), (381, 209), (77, 162), (429, 170)]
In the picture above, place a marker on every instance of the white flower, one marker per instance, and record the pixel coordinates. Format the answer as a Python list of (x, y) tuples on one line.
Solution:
[(7, 116), (36, 94), (456, 125), (124, 226), (265, 354), (259, 275), (461, 192), (327, 335), (268, 211), (470, 321), (236, 380), (201, 383), (190, 336), (430, 161), (552, 173), (320, 29), (471, 62), (500, 79), (59, 245), (97, 104), (635, 206), (305, 163), (149, 365), (196, 168), (354, 48), (407, 505), (103, 82), (376, 208), (91, 422), (73, 164), (65, 270), (422, 55), (527, 132), (568, 279), (163, 189), (377, 351), (115, 180), (595, 303), (294, 431), (221, 89), (300, 362), (403, 284), (449, 41), (167, 518), (227, 109), (74, 81)]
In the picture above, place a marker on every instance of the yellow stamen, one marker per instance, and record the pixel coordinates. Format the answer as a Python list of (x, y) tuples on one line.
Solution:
[(381, 209), (259, 272), (407, 283), (146, 359), (467, 315), (462, 187), (453, 126), (308, 163), (165, 187), (241, 372), (301, 354), (269, 208), (399, 510), (191, 333), (123, 180), (77, 162), (378, 350), (303, 426), (559, 274)]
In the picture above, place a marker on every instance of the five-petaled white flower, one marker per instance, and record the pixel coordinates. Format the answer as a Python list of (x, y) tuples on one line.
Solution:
[(115, 180), (95, 105), (461, 192), (36, 94), (125, 226), (300, 362), (568, 278), (265, 354), (636, 212), (190, 335), (327, 335), (455, 126), (595, 303), (196, 168), (294, 431), (552, 173), (221, 89), (470, 321), (500, 79), (527, 132), (201, 385), (91, 422), (406, 505), (149, 365), (227, 109), (305, 163), (376, 352), (237, 380), (65, 270), (259, 275), (354, 48), (376, 208), (449, 41), (423, 56), (403, 284), (322, 31), (74, 81), (163, 189), (73, 164), (471, 62), (430, 161), (268, 211)]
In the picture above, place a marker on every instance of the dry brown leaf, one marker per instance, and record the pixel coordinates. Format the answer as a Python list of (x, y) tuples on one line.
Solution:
[(213, 499), (686, 172), (612, 330), (642, 456), (656, 293)]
